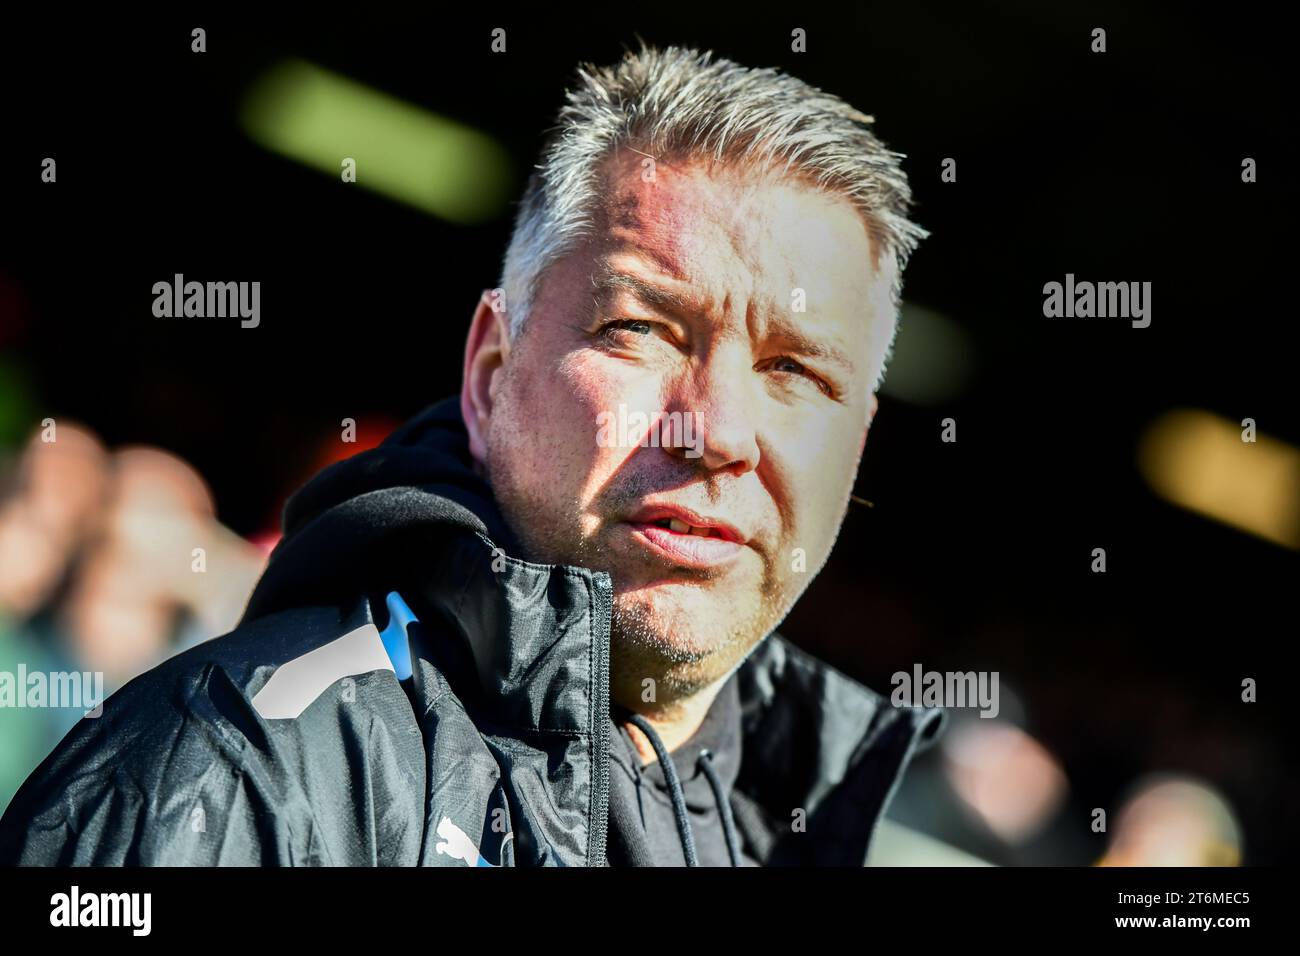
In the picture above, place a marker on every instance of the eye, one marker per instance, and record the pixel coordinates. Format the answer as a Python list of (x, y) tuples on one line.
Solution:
[(789, 366), (640, 326), (618, 331)]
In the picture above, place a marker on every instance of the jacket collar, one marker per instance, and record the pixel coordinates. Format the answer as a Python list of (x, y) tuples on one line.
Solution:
[(538, 634)]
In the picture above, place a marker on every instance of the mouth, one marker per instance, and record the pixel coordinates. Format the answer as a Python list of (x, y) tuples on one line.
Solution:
[(686, 539), (682, 527)]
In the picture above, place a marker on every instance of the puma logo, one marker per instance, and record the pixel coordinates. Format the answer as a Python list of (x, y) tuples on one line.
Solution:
[(457, 845)]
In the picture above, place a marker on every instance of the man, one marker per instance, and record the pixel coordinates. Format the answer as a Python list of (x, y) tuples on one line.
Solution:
[(535, 626)]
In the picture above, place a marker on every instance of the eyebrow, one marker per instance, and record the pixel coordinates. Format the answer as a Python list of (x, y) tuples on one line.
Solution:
[(802, 344), (607, 283)]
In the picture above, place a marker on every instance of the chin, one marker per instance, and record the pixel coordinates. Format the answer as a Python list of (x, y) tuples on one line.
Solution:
[(684, 619)]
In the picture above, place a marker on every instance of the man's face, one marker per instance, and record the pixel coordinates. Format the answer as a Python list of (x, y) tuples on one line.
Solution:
[(749, 306)]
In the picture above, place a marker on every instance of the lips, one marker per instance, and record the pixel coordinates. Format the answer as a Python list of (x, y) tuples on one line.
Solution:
[(682, 537), (680, 520)]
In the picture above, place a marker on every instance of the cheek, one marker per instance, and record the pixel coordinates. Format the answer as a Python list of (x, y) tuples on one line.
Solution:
[(594, 390), (818, 467)]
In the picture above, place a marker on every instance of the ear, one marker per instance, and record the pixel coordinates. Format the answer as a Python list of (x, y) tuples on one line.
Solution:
[(486, 349)]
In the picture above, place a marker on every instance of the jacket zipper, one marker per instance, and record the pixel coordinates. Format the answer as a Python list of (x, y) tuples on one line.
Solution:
[(599, 824)]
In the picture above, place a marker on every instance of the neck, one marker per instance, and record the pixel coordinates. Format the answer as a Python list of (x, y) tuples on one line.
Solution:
[(675, 722)]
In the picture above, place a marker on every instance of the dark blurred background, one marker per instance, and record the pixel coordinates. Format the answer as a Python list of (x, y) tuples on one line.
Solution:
[(1121, 690)]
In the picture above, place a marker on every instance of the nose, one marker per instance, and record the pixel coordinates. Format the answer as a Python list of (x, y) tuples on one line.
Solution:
[(719, 414)]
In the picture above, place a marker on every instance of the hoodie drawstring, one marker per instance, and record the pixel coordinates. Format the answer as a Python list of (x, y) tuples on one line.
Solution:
[(705, 763), (724, 807)]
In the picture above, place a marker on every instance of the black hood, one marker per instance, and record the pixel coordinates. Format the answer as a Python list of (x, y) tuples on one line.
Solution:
[(359, 520)]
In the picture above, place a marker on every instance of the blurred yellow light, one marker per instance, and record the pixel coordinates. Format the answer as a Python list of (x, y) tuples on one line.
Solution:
[(1198, 461), (319, 118)]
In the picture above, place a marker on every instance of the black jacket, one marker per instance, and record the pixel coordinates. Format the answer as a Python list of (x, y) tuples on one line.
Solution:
[(402, 691)]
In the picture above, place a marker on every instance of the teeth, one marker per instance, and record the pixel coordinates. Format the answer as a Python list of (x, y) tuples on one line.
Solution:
[(681, 527)]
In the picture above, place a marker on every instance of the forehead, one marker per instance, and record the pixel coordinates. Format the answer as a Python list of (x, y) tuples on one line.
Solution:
[(732, 231)]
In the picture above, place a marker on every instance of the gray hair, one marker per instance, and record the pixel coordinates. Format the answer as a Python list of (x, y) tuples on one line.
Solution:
[(678, 101)]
